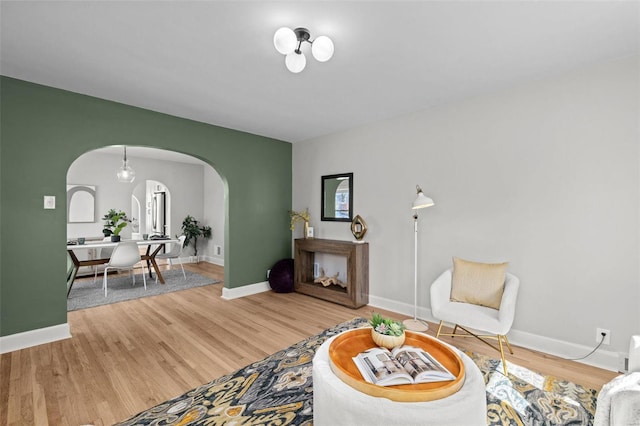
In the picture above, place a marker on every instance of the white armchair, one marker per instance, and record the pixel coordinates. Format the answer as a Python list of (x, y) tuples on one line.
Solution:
[(619, 400), (496, 322)]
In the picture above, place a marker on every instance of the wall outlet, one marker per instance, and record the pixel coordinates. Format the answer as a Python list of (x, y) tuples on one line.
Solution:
[(607, 337), (268, 273)]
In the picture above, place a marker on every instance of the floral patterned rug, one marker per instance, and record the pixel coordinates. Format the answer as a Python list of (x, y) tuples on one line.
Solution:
[(278, 391)]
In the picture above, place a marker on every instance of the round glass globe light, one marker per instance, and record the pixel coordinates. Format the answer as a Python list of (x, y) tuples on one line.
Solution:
[(285, 40), (322, 48), (295, 62), (125, 174)]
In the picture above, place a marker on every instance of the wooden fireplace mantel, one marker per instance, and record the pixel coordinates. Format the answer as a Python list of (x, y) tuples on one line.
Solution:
[(356, 292)]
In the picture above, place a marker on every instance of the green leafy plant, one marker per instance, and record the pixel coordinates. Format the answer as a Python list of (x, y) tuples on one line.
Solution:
[(386, 325), (114, 222), (192, 231)]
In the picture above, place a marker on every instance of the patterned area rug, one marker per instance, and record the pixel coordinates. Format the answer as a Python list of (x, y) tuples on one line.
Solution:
[(278, 391)]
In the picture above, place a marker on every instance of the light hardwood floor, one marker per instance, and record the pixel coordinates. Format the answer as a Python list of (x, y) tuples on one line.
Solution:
[(126, 357)]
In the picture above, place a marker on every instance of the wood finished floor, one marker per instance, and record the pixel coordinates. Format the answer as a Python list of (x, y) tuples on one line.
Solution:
[(126, 357)]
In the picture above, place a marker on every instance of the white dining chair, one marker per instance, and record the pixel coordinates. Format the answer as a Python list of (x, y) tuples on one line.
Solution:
[(103, 253), (175, 253), (125, 256)]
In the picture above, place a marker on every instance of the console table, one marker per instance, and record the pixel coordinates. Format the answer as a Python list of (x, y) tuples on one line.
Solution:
[(356, 292)]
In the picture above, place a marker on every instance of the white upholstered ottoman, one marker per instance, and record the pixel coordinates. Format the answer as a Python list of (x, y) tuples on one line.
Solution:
[(336, 403)]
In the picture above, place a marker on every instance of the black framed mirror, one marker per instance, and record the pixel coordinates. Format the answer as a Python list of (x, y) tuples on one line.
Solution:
[(337, 197)]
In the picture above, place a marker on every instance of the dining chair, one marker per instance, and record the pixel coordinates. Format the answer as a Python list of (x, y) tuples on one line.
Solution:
[(103, 253), (125, 256), (175, 253)]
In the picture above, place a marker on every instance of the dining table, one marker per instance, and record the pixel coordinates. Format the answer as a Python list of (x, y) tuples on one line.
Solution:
[(149, 256)]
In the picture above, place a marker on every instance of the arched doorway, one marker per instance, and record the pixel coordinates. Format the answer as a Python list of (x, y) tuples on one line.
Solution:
[(187, 185)]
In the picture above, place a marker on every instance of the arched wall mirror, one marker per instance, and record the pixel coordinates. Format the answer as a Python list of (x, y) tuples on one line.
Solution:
[(337, 197)]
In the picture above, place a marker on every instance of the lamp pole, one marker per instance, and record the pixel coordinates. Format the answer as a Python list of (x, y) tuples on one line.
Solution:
[(420, 202)]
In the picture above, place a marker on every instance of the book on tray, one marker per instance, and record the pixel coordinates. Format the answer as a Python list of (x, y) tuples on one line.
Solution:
[(400, 366)]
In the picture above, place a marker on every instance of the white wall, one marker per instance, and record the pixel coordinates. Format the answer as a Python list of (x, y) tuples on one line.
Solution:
[(545, 176), (186, 183), (213, 215)]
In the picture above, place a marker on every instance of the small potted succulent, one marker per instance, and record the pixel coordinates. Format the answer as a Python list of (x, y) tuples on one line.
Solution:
[(386, 332), (114, 222)]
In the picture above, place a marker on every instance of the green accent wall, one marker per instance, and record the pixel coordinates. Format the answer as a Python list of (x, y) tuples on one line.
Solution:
[(43, 130)]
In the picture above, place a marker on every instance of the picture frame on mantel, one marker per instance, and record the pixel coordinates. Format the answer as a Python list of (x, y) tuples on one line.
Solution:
[(337, 198)]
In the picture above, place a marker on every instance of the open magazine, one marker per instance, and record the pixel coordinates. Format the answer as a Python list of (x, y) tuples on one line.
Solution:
[(403, 365)]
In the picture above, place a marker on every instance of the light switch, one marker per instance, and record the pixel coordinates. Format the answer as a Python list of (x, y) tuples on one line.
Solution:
[(49, 201)]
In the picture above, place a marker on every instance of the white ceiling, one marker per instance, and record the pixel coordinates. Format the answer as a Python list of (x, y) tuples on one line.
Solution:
[(214, 61)]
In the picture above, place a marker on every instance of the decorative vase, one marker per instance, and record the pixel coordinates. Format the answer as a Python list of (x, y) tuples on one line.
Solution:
[(306, 229), (387, 341), (115, 238)]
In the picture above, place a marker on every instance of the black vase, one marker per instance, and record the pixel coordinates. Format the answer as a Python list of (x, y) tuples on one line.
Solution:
[(115, 238)]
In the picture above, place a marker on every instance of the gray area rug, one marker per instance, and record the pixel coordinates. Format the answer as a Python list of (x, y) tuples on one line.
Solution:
[(87, 294)]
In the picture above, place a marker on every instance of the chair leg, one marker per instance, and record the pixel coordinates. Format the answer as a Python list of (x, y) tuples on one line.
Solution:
[(183, 274), (507, 342), (504, 361), (144, 278), (104, 282), (133, 274), (501, 338)]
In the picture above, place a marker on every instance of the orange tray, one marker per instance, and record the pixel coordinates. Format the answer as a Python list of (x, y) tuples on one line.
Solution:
[(349, 344)]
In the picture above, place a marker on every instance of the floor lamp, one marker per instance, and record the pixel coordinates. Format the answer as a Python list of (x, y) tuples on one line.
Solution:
[(420, 202)]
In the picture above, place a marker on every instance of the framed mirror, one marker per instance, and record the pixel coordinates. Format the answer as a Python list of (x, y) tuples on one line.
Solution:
[(337, 197)]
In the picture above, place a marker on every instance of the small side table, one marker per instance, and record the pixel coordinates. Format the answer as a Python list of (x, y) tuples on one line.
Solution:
[(336, 403)]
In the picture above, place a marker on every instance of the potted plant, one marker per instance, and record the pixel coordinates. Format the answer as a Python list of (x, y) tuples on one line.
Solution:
[(302, 216), (386, 332), (192, 231), (114, 222)]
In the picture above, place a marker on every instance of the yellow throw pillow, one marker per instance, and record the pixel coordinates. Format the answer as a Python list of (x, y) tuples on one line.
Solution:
[(478, 283)]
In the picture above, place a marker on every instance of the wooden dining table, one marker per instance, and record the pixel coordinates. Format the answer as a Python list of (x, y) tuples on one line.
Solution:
[(149, 256)]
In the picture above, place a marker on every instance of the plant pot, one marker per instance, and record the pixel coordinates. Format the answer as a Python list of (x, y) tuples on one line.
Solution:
[(115, 238), (386, 341)]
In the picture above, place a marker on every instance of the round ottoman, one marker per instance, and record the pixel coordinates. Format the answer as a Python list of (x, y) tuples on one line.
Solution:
[(281, 276), (336, 403)]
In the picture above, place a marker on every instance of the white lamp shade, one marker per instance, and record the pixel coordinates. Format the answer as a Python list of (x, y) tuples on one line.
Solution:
[(125, 174), (422, 201), (322, 48), (285, 40), (295, 62)]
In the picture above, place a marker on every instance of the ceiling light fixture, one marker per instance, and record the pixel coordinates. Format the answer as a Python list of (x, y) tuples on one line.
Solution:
[(125, 173), (289, 43)]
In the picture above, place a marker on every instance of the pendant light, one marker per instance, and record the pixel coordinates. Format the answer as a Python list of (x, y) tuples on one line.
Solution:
[(125, 173)]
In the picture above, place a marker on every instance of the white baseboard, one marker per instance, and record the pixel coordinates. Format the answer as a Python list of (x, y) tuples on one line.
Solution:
[(192, 259), (246, 290), (608, 360), (15, 342), (213, 259)]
